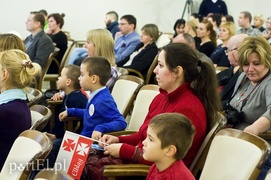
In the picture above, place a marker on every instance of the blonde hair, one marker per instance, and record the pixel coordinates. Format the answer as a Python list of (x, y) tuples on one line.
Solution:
[(193, 24), (259, 16), (11, 41), (104, 44), (258, 45), (230, 27), (21, 71)]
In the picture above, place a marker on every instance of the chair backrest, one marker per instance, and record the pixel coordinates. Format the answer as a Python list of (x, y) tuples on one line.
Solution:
[(71, 44), (235, 155), (141, 105), (162, 40), (199, 160), (52, 174), (124, 92), (38, 83), (151, 68), (122, 71), (33, 95), (26, 150), (40, 116)]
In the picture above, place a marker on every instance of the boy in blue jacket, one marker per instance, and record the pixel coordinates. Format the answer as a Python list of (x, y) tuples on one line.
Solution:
[(101, 114)]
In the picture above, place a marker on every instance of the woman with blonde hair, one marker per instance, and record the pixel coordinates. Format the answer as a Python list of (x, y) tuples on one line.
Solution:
[(100, 43), (16, 72), (219, 57), (191, 28), (11, 41)]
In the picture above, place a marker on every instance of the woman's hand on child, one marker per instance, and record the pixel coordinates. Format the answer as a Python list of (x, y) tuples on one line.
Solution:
[(96, 135), (108, 139), (63, 115), (113, 150)]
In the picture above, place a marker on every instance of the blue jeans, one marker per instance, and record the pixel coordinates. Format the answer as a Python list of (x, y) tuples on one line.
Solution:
[(265, 169), (77, 53)]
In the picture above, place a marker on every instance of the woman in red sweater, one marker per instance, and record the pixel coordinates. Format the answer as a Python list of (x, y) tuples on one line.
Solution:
[(187, 86)]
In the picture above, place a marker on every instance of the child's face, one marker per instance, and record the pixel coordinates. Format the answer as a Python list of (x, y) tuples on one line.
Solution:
[(84, 79), (152, 150), (62, 79)]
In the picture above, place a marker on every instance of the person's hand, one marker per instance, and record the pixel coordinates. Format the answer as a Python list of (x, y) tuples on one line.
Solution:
[(113, 150), (51, 136), (108, 139), (118, 34), (266, 35), (252, 129), (96, 135), (63, 115), (57, 97)]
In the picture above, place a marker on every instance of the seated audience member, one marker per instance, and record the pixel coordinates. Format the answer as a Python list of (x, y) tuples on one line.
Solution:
[(182, 79), (16, 72), (227, 78), (74, 97), (100, 43), (126, 43), (39, 46), (111, 22), (258, 21), (188, 39), (267, 33), (227, 18), (56, 22), (219, 58), (178, 28), (251, 96), (191, 28), (11, 41), (212, 7), (207, 35), (165, 151), (145, 52), (101, 114), (244, 21), (215, 19)]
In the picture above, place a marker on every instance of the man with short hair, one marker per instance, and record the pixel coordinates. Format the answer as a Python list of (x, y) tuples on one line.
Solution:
[(111, 21), (227, 78), (126, 43), (188, 39), (244, 21), (39, 46)]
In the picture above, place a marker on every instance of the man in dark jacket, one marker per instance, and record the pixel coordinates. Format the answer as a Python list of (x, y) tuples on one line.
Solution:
[(213, 6)]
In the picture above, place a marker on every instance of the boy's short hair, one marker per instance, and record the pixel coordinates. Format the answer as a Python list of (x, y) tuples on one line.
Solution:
[(174, 129), (73, 73), (100, 67)]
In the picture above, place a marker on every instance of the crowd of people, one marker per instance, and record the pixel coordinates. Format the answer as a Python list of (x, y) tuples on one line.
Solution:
[(192, 92)]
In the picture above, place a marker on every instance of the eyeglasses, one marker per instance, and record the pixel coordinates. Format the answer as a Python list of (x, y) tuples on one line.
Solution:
[(227, 51)]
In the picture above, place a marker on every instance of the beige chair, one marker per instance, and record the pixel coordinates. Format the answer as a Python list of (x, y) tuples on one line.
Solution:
[(124, 92), (162, 40), (40, 116), (235, 155), (141, 106), (218, 69), (52, 174), (150, 73), (39, 81), (33, 95), (198, 162), (27, 152), (54, 77)]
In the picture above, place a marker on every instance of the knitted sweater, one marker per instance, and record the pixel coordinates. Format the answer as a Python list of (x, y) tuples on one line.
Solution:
[(182, 100)]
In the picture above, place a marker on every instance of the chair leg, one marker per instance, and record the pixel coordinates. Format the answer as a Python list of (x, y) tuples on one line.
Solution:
[(52, 84)]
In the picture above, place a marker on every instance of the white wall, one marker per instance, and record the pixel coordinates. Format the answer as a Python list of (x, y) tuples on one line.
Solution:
[(83, 15)]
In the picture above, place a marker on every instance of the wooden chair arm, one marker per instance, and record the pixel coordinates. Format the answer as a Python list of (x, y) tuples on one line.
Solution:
[(266, 136), (50, 102), (126, 170), (133, 71), (120, 133), (69, 123)]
